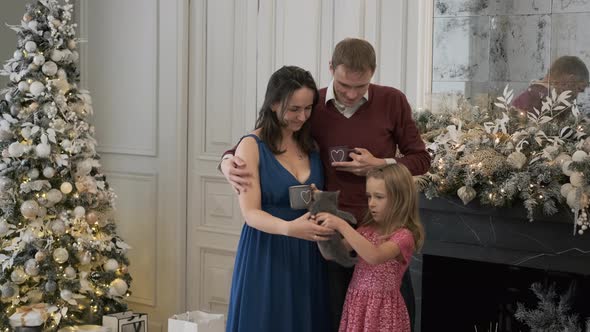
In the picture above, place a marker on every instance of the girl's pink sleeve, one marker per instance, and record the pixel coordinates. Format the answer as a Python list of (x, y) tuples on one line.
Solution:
[(405, 241)]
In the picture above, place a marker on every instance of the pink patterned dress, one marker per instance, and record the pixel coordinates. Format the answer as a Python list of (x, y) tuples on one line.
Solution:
[(373, 301)]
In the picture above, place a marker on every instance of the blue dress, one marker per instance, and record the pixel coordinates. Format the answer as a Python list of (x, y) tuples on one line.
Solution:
[(279, 282)]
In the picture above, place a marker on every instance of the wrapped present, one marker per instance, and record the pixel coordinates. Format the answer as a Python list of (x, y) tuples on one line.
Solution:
[(197, 321), (127, 321), (29, 316), (84, 328)]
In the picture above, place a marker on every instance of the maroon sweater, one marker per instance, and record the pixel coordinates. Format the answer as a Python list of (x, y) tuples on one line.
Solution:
[(380, 125)]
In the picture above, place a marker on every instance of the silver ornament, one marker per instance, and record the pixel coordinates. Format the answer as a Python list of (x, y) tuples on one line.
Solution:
[(60, 255)]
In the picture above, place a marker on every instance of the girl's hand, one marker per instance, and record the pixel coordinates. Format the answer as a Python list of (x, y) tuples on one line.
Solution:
[(330, 221), (307, 229)]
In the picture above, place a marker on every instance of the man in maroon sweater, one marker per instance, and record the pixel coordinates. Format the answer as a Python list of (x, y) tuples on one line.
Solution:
[(374, 120)]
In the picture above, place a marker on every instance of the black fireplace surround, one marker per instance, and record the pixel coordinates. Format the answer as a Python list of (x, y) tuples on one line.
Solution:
[(474, 255)]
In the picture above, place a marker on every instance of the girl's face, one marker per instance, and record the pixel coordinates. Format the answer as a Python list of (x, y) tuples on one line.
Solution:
[(297, 110), (377, 198)]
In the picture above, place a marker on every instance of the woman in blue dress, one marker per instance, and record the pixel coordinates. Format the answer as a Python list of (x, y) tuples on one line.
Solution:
[(279, 281)]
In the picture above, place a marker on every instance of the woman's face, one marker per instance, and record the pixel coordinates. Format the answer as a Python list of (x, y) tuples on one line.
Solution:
[(377, 198), (297, 109)]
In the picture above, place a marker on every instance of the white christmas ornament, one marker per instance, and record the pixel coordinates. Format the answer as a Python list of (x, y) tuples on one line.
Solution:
[(37, 88), (40, 256), (33, 173), (58, 227), (516, 159), (31, 267), (60, 255), (17, 55), (71, 44), (3, 228), (572, 200), (79, 212), (565, 167), (70, 273), (579, 156), (23, 86), (29, 209), (565, 189), (66, 188), (30, 46), (54, 196), (66, 294), (48, 172), (33, 25), (39, 60), (118, 287), (466, 194), (42, 212), (18, 276), (111, 265), (57, 55), (16, 149), (49, 68), (577, 179), (43, 150)]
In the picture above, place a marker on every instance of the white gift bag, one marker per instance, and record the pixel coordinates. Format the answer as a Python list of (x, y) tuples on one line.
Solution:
[(126, 322), (196, 321)]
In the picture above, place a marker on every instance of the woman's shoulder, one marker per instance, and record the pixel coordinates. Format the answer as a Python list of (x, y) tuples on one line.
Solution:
[(248, 143)]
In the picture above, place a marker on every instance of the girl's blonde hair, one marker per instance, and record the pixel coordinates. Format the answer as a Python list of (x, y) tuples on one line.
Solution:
[(402, 202)]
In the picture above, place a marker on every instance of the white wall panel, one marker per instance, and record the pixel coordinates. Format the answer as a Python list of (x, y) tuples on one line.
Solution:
[(123, 54), (137, 213), (298, 34), (217, 268), (349, 19), (220, 76)]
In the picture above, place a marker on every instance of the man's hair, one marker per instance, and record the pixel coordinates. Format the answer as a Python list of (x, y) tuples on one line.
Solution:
[(568, 65), (355, 54)]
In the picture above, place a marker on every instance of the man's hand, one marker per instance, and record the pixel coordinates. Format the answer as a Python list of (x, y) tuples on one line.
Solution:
[(362, 162), (234, 170)]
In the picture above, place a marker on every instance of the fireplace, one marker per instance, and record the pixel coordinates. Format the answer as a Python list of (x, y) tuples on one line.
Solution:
[(477, 262), (462, 295)]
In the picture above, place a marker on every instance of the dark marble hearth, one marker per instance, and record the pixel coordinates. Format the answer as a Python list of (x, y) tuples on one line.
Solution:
[(502, 236)]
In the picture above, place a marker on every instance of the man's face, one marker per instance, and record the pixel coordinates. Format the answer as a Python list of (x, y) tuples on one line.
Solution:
[(350, 86)]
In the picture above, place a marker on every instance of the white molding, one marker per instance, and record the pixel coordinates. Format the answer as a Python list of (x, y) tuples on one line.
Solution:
[(425, 35), (152, 150), (152, 180)]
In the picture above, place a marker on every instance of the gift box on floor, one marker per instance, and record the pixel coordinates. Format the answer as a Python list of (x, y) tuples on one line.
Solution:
[(197, 321), (127, 321), (29, 318)]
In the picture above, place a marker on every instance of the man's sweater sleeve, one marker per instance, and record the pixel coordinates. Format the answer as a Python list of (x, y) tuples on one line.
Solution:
[(410, 144)]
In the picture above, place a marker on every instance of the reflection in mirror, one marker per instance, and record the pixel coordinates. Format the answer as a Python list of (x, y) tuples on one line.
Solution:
[(480, 46)]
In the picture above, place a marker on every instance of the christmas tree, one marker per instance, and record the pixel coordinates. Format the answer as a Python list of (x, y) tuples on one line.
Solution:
[(58, 248)]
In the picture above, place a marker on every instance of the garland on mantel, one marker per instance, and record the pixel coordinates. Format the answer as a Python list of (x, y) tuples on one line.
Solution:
[(505, 156)]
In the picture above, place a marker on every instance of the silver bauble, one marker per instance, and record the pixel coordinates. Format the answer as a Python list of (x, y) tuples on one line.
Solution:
[(60, 255), (70, 273), (48, 172), (50, 286), (31, 267), (49, 68), (111, 265), (37, 88), (29, 209), (118, 287), (40, 256), (8, 290), (58, 227), (18, 276), (466, 194)]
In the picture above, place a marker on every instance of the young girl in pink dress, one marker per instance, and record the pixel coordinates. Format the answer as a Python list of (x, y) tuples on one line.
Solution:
[(384, 242)]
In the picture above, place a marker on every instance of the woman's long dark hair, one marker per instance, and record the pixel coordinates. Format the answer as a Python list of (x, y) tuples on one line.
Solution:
[(281, 86)]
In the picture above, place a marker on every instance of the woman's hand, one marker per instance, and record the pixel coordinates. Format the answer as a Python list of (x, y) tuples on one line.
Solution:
[(330, 221), (307, 229)]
